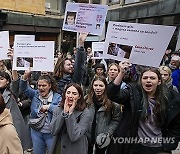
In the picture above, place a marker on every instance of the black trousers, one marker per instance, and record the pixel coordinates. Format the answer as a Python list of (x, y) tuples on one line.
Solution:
[(133, 149), (140, 149)]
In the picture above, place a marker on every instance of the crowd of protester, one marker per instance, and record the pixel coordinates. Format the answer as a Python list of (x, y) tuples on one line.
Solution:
[(88, 106)]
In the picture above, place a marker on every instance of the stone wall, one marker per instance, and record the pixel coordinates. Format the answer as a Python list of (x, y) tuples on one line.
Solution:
[(27, 6)]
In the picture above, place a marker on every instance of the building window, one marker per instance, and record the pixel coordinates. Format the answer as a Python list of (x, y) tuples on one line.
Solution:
[(168, 20), (135, 1), (87, 1), (131, 1), (132, 21), (154, 20), (114, 1), (80, 1), (68, 41), (52, 5), (96, 1), (63, 6)]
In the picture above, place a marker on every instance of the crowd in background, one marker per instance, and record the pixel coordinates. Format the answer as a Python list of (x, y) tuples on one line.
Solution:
[(84, 105)]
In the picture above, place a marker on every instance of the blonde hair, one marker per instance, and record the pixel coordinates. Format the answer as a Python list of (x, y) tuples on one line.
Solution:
[(167, 69), (115, 64)]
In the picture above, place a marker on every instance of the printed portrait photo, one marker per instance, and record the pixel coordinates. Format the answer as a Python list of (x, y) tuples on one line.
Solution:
[(119, 50), (125, 49), (24, 62), (70, 18), (98, 53), (98, 26)]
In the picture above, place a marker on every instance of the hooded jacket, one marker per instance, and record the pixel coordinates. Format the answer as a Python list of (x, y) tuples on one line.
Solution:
[(9, 140)]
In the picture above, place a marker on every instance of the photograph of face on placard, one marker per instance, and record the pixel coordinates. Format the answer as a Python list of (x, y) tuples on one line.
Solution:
[(24, 62), (70, 18), (98, 26), (119, 50), (97, 49), (98, 54)]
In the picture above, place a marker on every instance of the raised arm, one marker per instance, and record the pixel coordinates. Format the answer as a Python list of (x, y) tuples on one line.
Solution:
[(80, 60), (114, 92), (24, 86), (15, 80)]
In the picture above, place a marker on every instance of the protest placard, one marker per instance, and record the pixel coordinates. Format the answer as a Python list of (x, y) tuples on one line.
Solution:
[(142, 44), (38, 55), (4, 44), (80, 17), (97, 49), (24, 38)]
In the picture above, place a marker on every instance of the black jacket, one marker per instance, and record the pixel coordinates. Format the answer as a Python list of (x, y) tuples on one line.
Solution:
[(131, 99)]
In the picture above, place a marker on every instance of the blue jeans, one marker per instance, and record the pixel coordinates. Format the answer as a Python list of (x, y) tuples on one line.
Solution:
[(41, 141)]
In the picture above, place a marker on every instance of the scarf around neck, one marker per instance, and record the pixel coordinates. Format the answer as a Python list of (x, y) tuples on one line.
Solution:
[(48, 99)]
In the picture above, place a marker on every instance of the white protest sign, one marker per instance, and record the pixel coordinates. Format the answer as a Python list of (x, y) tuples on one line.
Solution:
[(97, 49), (80, 17), (24, 38), (142, 44), (38, 55), (4, 44)]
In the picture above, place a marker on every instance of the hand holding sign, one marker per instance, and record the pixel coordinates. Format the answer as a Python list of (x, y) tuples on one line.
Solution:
[(27, 74), (82, 38), (10, 53)]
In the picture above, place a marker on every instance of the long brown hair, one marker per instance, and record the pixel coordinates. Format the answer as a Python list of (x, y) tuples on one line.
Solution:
[(81, 105), (160, 99), (105, 101), (59, 67)]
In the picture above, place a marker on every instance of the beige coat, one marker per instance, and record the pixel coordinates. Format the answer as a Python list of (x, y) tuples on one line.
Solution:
[(9, 140)]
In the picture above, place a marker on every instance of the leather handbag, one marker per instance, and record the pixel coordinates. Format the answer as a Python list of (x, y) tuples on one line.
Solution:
[(37, 123)]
